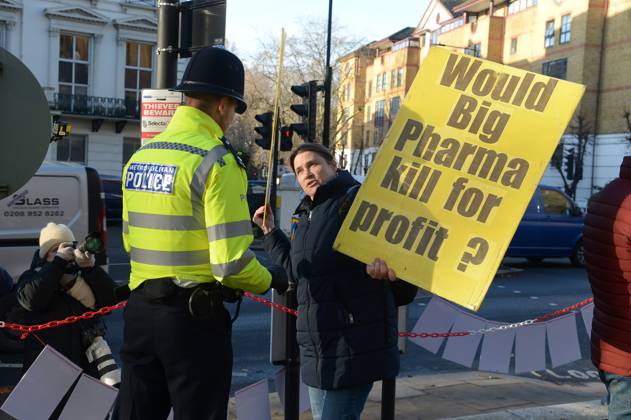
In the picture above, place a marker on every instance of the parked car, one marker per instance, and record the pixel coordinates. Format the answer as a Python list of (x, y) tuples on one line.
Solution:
[(552, 227), (113, 190)]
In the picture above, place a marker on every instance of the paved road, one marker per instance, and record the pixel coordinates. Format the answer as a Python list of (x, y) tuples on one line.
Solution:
[(536, 290)]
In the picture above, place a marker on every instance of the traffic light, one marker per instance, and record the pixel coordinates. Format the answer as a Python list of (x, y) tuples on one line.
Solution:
[(264, 130), (286, 135), (307, 110), (569, 165)]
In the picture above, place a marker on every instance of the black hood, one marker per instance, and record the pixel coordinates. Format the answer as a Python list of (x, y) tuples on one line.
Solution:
[(37, 262)]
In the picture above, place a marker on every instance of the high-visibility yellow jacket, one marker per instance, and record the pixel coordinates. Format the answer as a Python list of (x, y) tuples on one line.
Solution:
[(185, 210)]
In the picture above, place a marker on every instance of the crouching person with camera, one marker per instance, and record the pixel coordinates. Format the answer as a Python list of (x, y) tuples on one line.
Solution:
[(63, 280)]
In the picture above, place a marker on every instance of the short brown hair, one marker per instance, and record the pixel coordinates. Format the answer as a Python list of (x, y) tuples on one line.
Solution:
[(311, 147)]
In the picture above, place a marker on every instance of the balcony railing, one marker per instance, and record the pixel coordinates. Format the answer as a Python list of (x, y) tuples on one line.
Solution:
[(142, 2), (96, 106)]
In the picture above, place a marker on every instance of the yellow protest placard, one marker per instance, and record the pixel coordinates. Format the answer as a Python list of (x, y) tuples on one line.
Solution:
[(456, 171)]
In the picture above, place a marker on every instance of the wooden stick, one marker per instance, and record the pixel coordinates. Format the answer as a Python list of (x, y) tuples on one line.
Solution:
[(279, 75)]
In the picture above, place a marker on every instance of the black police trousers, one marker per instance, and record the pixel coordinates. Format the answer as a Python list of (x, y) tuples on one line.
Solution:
[(171, 359)]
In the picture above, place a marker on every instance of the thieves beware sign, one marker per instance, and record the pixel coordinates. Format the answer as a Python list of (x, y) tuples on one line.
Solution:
[(156, 109)]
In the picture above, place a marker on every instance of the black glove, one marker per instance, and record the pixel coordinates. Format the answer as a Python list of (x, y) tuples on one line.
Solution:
[(280, 282)]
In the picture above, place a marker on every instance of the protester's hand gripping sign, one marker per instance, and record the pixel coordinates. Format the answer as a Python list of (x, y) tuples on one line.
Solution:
[(456, 171)]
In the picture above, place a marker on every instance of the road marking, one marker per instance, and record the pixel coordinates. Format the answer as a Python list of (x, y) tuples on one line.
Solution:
[(516, 291), (241, 374), (553, 304), (500, 287), (534, 297), (421, 304)]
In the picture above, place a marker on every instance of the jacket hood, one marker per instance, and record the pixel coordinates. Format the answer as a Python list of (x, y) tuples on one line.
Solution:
[(37, 261), (625, 168)]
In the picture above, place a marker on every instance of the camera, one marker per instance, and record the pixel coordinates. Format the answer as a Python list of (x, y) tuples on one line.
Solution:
[(92, 244), (99, 352)]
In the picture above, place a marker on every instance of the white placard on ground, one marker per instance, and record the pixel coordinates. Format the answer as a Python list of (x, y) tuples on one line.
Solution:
[(90, 398), (253, 402), (42, 387), (279, 382)]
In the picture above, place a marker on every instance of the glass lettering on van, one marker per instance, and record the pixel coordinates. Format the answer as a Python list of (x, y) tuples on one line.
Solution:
[(22, 199), (150, 177)]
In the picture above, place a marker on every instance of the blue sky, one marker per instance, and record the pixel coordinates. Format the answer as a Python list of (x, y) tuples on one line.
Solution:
[(250, 20)]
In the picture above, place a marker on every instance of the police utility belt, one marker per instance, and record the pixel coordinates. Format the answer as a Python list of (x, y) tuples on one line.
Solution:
[(203, 301)]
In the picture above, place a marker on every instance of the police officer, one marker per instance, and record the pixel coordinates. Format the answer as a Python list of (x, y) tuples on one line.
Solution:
[(187, 230)]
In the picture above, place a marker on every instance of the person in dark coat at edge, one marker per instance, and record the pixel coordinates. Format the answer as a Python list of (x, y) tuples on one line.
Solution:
[(63, 281), (607, 245), (347, 322)]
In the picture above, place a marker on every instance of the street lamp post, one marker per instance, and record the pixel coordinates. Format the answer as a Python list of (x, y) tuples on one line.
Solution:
[(327, 82)]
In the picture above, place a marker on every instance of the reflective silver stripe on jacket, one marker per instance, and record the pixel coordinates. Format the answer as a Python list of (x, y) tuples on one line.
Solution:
[(163, 222), (125, 227), (169, 258), (233, 267), (197, 187), (229, 230)]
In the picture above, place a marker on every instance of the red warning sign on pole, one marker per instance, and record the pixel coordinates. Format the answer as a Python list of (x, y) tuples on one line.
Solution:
[(156, 110)]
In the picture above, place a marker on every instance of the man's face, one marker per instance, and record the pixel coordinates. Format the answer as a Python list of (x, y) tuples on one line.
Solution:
[(312, 171)]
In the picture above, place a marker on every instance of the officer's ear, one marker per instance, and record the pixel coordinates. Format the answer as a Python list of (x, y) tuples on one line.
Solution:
[(225, 103)]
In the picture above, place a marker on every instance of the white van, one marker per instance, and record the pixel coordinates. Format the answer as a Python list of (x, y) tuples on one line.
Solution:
[(58, 192)]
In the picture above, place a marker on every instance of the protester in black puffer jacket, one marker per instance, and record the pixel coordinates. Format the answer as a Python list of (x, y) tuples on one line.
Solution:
[(44, 294), (347, 322)]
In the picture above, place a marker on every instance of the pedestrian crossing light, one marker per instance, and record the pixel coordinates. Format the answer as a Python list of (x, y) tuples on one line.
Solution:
[(307, 110), (286, 135), (264, 130)]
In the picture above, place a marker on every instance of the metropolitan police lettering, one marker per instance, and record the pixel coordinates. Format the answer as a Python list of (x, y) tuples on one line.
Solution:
[(150, 177)]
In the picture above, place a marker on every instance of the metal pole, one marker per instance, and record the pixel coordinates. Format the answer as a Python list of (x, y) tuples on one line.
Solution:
[(327, 83), (388, 391), (168, 23), (292, 370)]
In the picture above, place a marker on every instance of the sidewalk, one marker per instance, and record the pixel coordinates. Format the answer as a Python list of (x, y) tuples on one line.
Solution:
[(479, 395)]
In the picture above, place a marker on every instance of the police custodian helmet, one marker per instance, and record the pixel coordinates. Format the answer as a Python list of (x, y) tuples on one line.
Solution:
[(215, 70)]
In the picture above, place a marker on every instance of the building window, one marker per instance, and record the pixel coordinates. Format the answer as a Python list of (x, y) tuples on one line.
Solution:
[(555, 68), (513, 46), (395, 105), (347, 70), (516, 6), (384, 82), (399, 76), (392, 79), (130, 145), (379, 113), (71, 149), (549, 40), (138, 70), (74, 62), (378, 85), (566, 29), (368, 114), (434, 39), (474, 50), (367, 138)]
